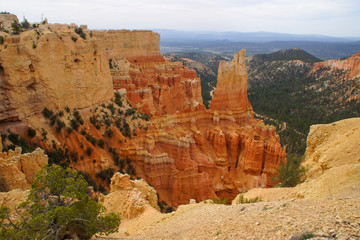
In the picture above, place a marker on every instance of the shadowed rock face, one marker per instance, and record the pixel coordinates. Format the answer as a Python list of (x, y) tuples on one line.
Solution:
[(187, 151)]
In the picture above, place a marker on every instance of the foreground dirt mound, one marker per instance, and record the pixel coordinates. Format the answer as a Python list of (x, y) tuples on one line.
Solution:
[(289, 219)]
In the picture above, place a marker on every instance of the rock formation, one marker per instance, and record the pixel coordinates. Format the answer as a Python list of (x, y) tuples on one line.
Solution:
[(201, 153), (128, 197), (185, 151), (19, 170), (6, 19), (231, 88), (332, 160), (157, 86), (351, 64)]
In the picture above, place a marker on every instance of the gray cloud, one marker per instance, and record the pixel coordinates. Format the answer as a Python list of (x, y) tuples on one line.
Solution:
[(329, 17)]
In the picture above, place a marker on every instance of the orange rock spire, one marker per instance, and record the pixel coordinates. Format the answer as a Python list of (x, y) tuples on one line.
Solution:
[(231, 88)]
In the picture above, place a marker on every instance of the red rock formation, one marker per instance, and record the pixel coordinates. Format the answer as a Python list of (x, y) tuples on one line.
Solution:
[(352, 64), (157, 86), (231, 88), (186, 151)]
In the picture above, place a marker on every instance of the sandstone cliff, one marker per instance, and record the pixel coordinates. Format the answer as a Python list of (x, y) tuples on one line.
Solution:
[(18, 171), (184, 150)]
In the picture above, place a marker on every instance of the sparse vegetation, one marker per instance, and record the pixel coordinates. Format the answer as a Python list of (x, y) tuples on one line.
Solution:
[(290, 173), (74, 38), (243, 200), (220, 200), (31, 132), (106, 174), (58, 207)]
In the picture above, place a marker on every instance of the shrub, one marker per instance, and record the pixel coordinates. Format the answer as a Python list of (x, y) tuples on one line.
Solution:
[(59, 206), (47, 113), (25, 24), (88, 151), (243, 200), (109, 132), (31, 132), (59, 125), (131, 170), (78, 117), (16, 27), (67, 109), (74, 38), (220, 200), (291, 173), (1, 40), (101, 143), (106, 174), (74, 124)]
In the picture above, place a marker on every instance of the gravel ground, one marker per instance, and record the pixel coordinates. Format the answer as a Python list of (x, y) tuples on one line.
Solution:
[(289, 219)]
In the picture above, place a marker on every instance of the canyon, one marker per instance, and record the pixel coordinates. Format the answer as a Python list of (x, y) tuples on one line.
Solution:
[(156, 121)]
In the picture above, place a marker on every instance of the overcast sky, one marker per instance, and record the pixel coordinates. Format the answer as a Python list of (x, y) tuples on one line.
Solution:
[(327, 17)]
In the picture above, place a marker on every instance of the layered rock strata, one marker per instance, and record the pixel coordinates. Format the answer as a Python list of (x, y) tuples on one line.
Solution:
[(185, 151), (18, 171)]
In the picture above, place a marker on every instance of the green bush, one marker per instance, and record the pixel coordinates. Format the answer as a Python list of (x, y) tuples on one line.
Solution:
[(74, 38), (291, 173), (243, 200), (58, 207), (31, 132), (106, 174), (220, 200), (1, 40), (88, 151)]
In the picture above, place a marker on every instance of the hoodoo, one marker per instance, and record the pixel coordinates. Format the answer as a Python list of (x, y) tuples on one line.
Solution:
[(183, 150)]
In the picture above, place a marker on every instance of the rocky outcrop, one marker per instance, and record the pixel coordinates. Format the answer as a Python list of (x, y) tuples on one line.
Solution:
[(38, 65), (19, 170), (129, 197), (6, 19), (53, 71), (351, 64), (332, 160), (231, 87)]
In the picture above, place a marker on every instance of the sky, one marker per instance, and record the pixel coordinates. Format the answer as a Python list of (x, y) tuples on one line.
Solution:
[(340, 18)]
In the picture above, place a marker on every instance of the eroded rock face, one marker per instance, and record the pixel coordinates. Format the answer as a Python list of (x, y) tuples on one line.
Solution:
[(351, 64), (6, 20), (52, 66), (231, 88), (19, 170), (186, 151), (157, 86), (128, 197), (201, 154)]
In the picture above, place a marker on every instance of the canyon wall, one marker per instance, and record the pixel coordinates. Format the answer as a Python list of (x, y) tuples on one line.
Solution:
[(184, 150)]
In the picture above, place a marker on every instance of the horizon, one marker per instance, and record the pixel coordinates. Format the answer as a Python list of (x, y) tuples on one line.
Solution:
[(323, 17)]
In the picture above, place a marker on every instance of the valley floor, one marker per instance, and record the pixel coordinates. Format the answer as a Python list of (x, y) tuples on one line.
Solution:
[(328, 218)]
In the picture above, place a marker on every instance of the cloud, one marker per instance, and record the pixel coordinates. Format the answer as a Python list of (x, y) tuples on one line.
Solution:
[(331, 17)]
